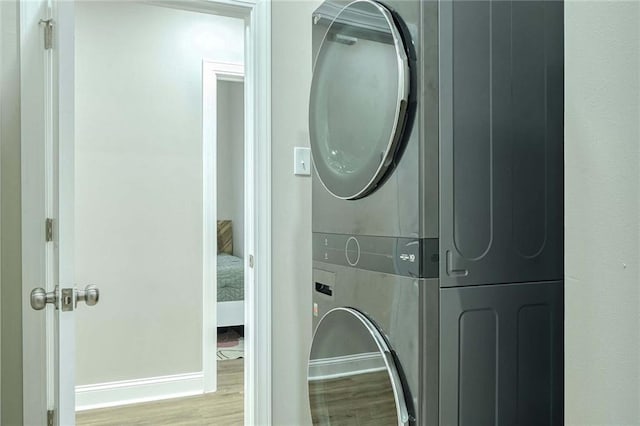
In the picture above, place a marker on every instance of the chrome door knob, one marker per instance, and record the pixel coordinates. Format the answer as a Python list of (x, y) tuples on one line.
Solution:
[(90, 295), (40, 298)]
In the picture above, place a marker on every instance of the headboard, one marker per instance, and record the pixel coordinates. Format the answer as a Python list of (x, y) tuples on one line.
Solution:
[(225, 237)]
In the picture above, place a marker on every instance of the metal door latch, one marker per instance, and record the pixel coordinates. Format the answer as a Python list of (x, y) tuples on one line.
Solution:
[(67, 299)]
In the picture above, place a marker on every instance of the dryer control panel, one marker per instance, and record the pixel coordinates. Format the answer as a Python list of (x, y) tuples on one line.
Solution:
[(411, 257)]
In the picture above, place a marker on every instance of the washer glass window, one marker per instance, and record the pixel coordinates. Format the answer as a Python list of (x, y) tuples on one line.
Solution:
[(353, 378), (359, 98)]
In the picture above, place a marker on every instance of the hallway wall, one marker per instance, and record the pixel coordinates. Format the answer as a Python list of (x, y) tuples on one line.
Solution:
[(602, 215), (139, 183), (291, 211)]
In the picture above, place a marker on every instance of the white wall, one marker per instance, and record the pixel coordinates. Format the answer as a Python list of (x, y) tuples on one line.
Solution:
[(602, 109), (139, 184), (291, 214), (230, 159)]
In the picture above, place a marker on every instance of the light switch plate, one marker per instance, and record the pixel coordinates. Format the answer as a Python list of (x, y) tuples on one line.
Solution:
[(301, 161)]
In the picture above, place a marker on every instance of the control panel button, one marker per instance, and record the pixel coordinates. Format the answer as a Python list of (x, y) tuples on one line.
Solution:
[(352, 251)]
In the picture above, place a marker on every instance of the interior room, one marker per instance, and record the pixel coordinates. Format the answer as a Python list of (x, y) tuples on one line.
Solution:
[(139, 208), (230, 222), (187, 235)]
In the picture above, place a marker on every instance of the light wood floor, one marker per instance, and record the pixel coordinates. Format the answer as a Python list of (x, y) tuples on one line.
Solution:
[(362, 399), (224, 407)]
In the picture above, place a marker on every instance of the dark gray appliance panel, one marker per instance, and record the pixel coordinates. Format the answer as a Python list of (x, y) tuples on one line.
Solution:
[(501, 141), (501, 355)]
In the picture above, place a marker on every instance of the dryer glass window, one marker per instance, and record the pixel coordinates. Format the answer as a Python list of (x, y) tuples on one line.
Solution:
[(353, 378), (359, 99)]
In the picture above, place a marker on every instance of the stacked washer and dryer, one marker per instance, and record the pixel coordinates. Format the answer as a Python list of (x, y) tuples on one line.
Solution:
[(437, 140)]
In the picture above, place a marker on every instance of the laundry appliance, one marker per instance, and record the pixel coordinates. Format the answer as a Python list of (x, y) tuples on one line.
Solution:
[(436, 132)]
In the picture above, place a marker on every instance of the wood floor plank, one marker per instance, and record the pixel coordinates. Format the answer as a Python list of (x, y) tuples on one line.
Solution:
[(224, 407)]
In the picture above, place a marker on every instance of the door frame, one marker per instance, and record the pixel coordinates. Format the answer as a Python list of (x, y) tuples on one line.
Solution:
[(212, 73), (34, 168)]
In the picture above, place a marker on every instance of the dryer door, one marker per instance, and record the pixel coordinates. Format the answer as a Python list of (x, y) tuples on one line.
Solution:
[(359, 104), (353, 376)]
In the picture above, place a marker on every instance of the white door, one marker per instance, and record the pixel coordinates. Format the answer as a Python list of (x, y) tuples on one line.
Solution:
[(47, 113)]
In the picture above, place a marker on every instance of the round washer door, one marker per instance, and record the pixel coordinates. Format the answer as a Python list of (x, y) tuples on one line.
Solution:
[(353, 377), (359, 99)]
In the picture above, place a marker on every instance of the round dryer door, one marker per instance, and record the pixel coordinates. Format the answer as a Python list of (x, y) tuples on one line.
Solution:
[(359, 99), (353, 377)]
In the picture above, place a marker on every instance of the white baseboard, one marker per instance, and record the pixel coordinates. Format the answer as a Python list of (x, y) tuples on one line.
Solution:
[(135, 391)]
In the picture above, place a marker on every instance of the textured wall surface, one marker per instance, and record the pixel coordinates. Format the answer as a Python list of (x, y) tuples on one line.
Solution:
[(291, 212), (602, 110)]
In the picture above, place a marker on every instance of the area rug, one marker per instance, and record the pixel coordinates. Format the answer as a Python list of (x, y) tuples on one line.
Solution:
[(230, 345)]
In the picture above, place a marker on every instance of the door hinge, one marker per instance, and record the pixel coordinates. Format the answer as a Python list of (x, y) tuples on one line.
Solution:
[(48, 33), (48, 230), (251, 261), (50, 418)]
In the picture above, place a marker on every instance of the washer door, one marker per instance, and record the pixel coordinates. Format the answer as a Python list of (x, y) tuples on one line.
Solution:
[(353, 377), (359, 99)]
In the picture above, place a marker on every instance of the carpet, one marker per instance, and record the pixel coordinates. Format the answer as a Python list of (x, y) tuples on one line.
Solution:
[(230, 345)]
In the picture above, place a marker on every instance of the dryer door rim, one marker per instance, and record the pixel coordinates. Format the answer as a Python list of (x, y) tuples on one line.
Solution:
[(392, 369), (401, 105)]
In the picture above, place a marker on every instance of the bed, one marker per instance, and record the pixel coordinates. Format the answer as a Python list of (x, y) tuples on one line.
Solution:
[(230, 277)]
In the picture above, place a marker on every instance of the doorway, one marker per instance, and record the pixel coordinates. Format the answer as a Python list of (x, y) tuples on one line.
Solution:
[(143, 210), (229, 308), (135, 171), (224, 139), (232, 258)]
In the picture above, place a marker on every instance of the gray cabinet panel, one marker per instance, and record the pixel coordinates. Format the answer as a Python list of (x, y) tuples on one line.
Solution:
[(478, 373), (529, 136), (501, 111), (534, 361), (472, 150), (501, 355)]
